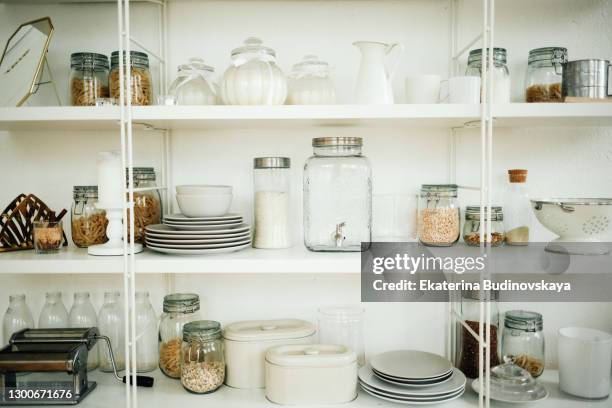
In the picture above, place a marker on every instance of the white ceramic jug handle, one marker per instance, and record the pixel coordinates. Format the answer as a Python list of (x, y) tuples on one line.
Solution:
[(394, 65)]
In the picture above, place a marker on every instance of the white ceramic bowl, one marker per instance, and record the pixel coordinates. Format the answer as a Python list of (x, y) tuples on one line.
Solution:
[(203, 189), (204, 205)]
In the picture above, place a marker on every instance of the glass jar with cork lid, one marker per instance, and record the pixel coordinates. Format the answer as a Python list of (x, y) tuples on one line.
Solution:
[(438, 221), (517, 208)]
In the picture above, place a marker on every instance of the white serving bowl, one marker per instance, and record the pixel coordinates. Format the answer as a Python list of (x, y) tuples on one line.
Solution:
[(581, 223), (204, 205), (203, 189)]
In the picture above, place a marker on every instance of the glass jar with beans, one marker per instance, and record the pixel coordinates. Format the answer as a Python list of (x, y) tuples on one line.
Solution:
[(438, 221)]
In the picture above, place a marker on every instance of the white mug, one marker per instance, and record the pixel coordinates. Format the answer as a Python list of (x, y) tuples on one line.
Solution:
[(585, 359), (422, 88), (463, 89)]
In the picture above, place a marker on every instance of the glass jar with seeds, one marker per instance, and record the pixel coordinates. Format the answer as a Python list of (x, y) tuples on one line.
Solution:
[(438, 221), (202, 357), (473, 225)]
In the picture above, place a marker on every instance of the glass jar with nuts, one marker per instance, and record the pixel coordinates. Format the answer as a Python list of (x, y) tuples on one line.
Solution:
[(438, 221), (472, 226), (202, 359), (523, 340)]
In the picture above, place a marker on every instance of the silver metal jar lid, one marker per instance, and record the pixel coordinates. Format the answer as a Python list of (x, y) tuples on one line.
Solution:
[(337, 141), (439, 190), (271, 163), (472, 212), (475, 294), (181, 303), (202, 330), (499, 56), (556, 55), (524, 320), (85, 191), (142, 173)]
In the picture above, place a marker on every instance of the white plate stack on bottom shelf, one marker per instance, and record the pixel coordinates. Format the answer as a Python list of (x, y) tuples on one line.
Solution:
[(412, 377), (198, 236)]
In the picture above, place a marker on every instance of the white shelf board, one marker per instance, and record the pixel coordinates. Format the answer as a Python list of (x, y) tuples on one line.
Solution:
[(59, 118), (296, 260), (553, 114)]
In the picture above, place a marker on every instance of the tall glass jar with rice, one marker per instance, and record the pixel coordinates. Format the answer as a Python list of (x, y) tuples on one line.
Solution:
[(439, 219)]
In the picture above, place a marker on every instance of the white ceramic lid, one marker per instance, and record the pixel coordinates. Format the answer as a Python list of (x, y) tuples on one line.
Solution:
[(311, 355), (264, 330)]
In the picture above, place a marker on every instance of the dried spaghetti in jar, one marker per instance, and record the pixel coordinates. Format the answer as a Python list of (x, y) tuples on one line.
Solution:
[(147, 203), (88, 78), (141, 92), (88, 222)]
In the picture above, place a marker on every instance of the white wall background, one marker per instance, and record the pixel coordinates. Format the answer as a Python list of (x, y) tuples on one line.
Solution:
[(561, 161)]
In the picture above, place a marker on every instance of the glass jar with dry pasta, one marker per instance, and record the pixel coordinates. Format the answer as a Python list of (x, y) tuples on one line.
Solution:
[(202, 359), (179, 309), (141, 91), (438, 221), (88, 78), (88, 221), (147, 202)]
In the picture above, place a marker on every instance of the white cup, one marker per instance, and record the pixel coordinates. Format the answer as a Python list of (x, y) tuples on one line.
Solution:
[(585, 359), (422, 88), (463, 89)]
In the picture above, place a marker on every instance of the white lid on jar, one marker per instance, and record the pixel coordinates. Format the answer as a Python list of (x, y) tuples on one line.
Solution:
[(264, 330), (311, 355)]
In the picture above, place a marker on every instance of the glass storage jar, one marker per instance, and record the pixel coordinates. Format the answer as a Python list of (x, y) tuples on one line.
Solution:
[(310, 83), (472, 226), (271, 184), (17, 317), (343, 325), (337, 195), (517, 208), (141, 86), (193, 84), (501, 74), (438, 220), (147, 352), (467, 345), (179, 309), (544, 74), (147, 204), (111, 324), (88, 78), (523, 340), (87, 220), (253, 78), (202, 358)]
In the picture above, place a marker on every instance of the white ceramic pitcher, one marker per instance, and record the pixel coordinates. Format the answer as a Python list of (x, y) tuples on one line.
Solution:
[(373, 85)]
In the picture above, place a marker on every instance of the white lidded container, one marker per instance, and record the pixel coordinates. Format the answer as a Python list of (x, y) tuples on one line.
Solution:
[(246, 344), (311, 374)]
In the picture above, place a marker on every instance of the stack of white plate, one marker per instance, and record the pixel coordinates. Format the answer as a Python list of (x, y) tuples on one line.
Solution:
[(196, 236), (412, 377)]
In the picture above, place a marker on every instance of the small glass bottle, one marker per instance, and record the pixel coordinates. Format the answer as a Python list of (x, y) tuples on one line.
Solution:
[(17, 317), (147, 204), (88, 221), (271, 184), (111, 322), (523, 340), (88, 78), (544, 74), (438, 220), (473, 226), (343, 325), (179, 309), (517, 208), (501, 74), (83, 314), (147, 352), (54, 314), (202, 357)]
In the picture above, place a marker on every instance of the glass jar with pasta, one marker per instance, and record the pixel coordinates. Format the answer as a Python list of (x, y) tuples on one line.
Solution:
[(88, 78), (88, 222), (147, 202), (141, 91)]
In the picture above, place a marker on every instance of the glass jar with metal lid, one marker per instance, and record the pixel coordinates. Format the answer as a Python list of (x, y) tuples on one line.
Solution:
[(472, 226), (337, 195), (523, 340), (501, 74), (141, 92), (193, 84), (544, 74), (88, 78), (179, 309), (88, 222), (272, 218), (310, 83), (147, 203), (202, 359), (438, 220)]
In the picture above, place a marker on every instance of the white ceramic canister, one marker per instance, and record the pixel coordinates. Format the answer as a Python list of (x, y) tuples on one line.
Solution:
[(246, 344), (311, 374), (253, 78)]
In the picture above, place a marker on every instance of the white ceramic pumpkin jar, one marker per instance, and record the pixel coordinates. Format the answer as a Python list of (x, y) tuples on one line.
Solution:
[(253, 78)]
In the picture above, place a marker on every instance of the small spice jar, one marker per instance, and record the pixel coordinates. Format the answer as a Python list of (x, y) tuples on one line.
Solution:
[(147, 203), (271, 184), (544, 74), (472, 226), (47, 236), (310, 83), (87, 220), (438, 221), (468, 345), (141, 87), (179, 309), (501, 74), (88, 78), (202, 360), (523, 340)]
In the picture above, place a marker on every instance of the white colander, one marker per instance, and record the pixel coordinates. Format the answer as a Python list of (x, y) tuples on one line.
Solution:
[(585, 222)]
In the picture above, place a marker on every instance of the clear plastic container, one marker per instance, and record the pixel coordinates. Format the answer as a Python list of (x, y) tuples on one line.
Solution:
[(88, 78), (147, 348), (337, 195), (310, 83), (271, 185), (17, 317), (473, 225), (88, 222), (501, 74), (517, 208), (141, 85), (53, 314), (83, 314), (193, 84), (523, 340), (147, 204), (111, 322), (179, 309), (202, 357), (544, 74), (343, 325), (438, 215)]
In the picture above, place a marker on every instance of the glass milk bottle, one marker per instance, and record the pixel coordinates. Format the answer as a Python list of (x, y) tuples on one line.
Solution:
[(54, 314), (271, 184), (517, 208), (112, 324), (17, 317), (147, 352), (83, 314)]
